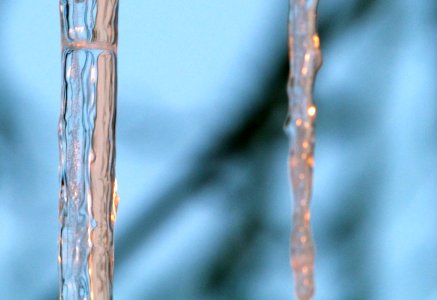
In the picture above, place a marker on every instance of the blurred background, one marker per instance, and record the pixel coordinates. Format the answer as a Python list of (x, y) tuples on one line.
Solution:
[(201, 156)]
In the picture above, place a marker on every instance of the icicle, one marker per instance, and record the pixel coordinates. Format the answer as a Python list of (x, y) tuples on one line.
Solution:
[(88, 196), (305, 60)]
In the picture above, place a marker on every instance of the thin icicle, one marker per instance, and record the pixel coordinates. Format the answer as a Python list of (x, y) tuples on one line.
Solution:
[(305, 60), (88, 196)]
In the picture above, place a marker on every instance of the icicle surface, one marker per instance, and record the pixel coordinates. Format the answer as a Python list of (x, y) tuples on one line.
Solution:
[(88, 196), (305, 60)]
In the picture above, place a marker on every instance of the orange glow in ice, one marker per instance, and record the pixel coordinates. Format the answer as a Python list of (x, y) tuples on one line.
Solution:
[(312, 111)]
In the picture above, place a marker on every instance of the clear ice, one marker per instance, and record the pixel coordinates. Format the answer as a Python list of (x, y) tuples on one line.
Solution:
[(88, 193), (305, 60)]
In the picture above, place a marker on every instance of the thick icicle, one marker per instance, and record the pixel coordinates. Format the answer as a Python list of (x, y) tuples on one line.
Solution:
[(305, 60), (88, 196)]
